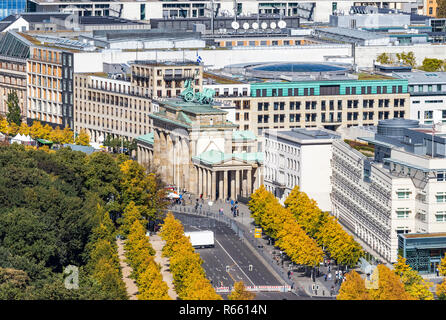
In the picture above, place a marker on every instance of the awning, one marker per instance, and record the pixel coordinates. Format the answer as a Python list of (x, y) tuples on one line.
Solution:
[(44, 141)]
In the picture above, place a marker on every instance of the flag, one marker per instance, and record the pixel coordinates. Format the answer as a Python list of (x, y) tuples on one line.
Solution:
[(199, 59)]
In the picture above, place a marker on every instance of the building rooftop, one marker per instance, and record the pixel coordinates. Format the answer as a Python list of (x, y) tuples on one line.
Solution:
[(305, 134), (422, 77), (422, 235), (149, 138), (243, 135), (352, 33)]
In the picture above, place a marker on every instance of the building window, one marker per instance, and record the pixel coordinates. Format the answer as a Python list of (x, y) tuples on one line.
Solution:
[(441, 176), (440, 216), (402, 213), (441, 197), (403, 194)]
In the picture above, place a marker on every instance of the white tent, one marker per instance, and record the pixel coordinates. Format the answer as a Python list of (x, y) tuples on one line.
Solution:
[(172, 195), (22, 139)]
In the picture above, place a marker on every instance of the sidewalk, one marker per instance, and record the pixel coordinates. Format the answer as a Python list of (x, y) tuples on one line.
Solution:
[(301, 282), (158, 244), (132, 289)]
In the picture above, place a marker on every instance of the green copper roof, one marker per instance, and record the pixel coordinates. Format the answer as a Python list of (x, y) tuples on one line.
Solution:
[(243, 135), (184, 118), (149, 138), (216, 156), (191, 107), (213, 156), (249, 156)]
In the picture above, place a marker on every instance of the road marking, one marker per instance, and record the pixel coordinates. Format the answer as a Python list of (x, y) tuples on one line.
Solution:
[(234, 261)]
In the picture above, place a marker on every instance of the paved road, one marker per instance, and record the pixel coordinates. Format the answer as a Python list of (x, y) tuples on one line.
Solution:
[(230, 251)]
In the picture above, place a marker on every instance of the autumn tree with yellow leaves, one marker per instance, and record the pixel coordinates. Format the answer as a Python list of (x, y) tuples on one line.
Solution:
[(324, 228), (414, 284), (441, 287), (185, 264), (240, 292), (140, 256), (390, 286), (279, 223), (82, 138), (353, 288)]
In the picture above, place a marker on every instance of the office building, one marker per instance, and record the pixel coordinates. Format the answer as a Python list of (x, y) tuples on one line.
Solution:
[(299, 157), (427, 96), (401, 190)]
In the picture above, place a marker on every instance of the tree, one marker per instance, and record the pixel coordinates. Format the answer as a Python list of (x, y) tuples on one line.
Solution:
[(407, 58), (36, 130), (442, 266), (67, 135), (390, 286), (441, 290), (131, 214), (384, 58), (240, 292), (14, 114), (441, 9), (83, 138), (24, 129), (432, 65), (353, 288), (414, 284)]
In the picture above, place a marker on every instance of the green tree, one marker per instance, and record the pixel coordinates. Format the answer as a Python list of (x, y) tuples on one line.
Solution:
[(14, 114), (384, 58), (407, 58), (432, 65)]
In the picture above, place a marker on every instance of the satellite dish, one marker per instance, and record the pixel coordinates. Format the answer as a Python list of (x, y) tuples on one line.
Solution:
[(264, 25), (255, 25), (273, 25), (281, 24), (246, 26), (235, 25)]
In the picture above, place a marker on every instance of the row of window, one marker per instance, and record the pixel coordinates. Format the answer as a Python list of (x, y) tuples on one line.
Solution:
[(324, 90), (312, 117)]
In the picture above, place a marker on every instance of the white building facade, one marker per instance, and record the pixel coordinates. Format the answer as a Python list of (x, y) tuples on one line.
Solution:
[(401, 190), (299, 157), (427, 96)]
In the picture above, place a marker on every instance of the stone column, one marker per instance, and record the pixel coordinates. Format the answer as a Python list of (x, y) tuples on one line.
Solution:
[(200, 182), (209, 184), (220, 185), (237, 183), (205, 183), (244, 191), (225, 184), (232, 177), (214, 186), (249, 173)]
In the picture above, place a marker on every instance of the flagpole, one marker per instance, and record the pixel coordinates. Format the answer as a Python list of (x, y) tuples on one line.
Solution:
[(433, 134)]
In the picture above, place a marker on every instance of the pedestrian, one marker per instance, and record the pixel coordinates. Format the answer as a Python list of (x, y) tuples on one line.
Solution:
[(331, 290), (325, 277), (336, 274), (329, 276), (336, 280), (329, 267)]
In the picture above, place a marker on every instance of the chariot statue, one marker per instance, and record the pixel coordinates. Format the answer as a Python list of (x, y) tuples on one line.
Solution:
[(205, 97)]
